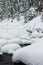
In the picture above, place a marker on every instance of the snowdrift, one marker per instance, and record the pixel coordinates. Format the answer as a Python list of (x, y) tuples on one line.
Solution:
[(32, 54), (3, 42)]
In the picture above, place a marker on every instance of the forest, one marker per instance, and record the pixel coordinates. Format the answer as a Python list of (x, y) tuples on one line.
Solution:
[(16, 8)]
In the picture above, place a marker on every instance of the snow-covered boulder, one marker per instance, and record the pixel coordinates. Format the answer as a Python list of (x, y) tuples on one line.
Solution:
[(10, 48), (15, 40), (0, 53), (40, 34), (34, 34), (32, 54), (3, 42)]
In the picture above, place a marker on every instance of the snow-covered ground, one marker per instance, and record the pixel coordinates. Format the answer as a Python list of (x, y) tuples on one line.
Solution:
[(9, 30), (3, 42), (16, 31), (30, 55)]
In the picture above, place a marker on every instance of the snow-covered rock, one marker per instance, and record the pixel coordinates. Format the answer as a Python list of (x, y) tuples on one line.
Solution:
[(0, 53), (32, 54), (15, 40), (3, 42), (10, 51), (20, 40), (40, 35), (34, 34), (10, 48)]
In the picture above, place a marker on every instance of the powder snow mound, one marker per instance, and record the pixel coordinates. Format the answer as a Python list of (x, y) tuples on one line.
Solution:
[(34, 34), (10, 48), (3, 42), (32, 54), (0, 53)]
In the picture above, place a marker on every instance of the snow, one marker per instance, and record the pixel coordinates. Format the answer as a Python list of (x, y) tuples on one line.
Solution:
[(10, 30), (15, 40), (16, 31), (34, 34), (32, 54), (3, 42), (0, 53), (10, 48), (32, 10), (36, 27), (35, 23), (38, 41), (10, 52)]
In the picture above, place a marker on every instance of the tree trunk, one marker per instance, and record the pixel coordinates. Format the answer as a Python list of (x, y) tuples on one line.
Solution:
[(42, 15)]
